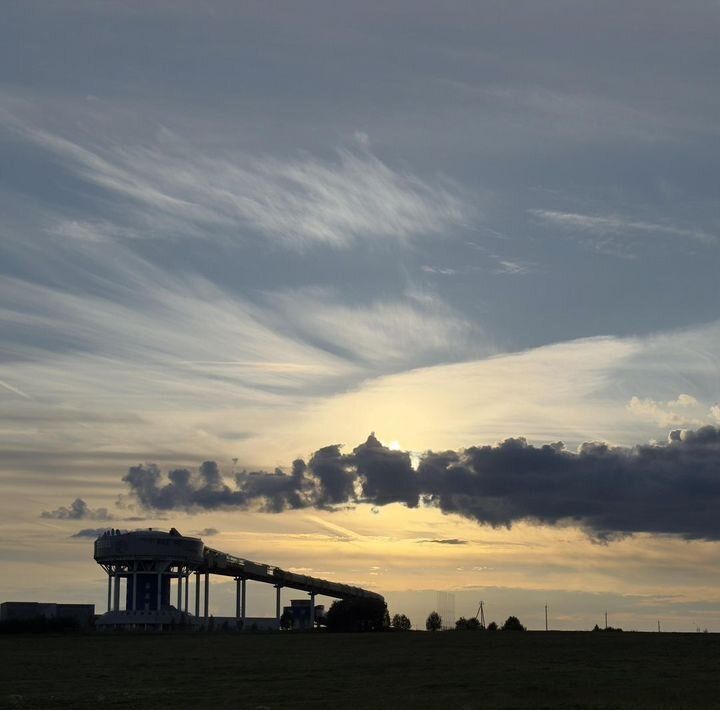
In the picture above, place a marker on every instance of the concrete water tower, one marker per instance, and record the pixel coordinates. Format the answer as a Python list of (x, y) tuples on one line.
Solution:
[(147, 561)]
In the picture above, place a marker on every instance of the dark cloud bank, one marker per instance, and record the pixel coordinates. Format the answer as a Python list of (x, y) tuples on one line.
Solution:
[(671, 488)]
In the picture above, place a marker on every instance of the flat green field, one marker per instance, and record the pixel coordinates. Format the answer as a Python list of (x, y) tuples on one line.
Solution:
[(392, 670)]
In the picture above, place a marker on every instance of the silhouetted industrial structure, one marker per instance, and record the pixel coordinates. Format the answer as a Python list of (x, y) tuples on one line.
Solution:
[(81, 614), (301, 614), (150, 561)]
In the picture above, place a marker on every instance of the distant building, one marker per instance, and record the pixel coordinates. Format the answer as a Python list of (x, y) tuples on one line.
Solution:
[(446, 609), (83, 614), (299, 613)]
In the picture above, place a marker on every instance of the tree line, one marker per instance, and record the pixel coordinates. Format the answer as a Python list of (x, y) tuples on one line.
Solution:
[(434, 623), (373, 615)]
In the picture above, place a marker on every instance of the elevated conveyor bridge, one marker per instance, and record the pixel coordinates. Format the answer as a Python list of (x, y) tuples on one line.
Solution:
[(217, 562), (150, 560)]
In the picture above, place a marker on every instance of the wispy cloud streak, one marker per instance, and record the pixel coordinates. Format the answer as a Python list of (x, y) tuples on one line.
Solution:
[(297, 202), (14, 390), (613, 224)]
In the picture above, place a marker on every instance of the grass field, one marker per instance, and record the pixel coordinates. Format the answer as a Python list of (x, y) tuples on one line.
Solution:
[(356, 671)]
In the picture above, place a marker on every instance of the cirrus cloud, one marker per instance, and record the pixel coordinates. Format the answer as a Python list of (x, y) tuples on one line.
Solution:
[(298, 202)]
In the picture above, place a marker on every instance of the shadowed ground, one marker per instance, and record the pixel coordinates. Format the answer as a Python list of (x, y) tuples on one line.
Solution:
[(394, 670)]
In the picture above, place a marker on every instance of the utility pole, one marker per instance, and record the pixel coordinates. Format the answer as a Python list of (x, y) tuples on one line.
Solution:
[(546, 622), (658, 625), (606, 620)]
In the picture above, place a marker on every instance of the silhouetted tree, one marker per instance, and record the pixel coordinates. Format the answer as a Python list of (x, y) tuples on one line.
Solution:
[(358, 615), (434, 622), (492, 626), (461, 624), (512, 623), (286, 620), (474, 625), (401, 622), (607, 628)]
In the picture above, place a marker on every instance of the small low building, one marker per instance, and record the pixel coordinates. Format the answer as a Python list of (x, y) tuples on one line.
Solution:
[(298, 614), (82, 614)]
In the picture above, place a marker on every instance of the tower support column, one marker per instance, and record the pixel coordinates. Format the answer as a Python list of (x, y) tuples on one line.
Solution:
[(312, 610), (278, 587), (179, 592), (238, 601), (110, 579), (207, 597), (116, 601), (197, 595), (243, 602)]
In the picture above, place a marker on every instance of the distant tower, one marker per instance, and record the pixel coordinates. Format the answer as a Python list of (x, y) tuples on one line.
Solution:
[(481, 613), (446, 609)]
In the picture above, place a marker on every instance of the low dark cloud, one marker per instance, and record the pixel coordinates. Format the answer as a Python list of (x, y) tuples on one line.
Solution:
[(386, 476), (90, 533), (448, 541), (207, 489), (335, 477), (78, 510), (610, 491), (671, 488), (208, 532)]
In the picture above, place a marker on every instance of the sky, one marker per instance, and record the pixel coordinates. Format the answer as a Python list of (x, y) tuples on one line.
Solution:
[(458, 261)]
